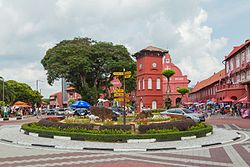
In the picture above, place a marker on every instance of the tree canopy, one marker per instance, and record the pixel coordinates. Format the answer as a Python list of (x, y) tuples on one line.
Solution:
[(16, 91), (168, 73), (88, 65), (182, 91)]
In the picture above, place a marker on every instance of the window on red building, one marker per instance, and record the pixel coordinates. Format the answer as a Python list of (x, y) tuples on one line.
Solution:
[(143, 84), (158, 83), (243, 58), (237, 58), (149, 83), (248, 54), (139, 85), (231, 67)]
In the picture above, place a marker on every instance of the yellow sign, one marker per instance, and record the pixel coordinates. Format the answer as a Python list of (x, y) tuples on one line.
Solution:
[(121, 100), (118, 90), (127, 76), (120, 94), (128, 73), (117, 73)]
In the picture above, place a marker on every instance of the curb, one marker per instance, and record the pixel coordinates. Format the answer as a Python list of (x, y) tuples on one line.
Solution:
[(110, 149), (117, 149), (12, 119), (128, 141)]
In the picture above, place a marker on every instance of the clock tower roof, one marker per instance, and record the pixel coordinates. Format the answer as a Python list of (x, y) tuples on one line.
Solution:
[(151, 50)]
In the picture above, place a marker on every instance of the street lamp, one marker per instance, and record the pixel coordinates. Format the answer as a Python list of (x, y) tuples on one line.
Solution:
[(2, 79)]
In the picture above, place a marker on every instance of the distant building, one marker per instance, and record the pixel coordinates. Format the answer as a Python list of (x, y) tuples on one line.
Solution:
[(207, 89), (56, 99), (232, 82), (151, 84)]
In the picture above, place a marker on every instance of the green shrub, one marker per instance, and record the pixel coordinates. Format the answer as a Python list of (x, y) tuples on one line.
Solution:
[(158, 110), (198, 126), (102, 112), (154, 131), (117, 135), (180, 125)]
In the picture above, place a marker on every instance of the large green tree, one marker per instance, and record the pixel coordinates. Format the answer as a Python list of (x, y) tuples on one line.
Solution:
[(88, 65), (182, 91), (22, 92), (168, 73)]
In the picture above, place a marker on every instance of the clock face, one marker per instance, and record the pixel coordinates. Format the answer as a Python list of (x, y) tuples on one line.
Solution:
[(140, 66), (154, 65)]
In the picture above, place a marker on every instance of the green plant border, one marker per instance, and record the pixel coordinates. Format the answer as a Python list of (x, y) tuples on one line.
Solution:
[(120, 137)]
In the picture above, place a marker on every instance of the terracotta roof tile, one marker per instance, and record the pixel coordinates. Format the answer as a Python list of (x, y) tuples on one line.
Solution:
[(155, 49), (237, 48), (206, 82)]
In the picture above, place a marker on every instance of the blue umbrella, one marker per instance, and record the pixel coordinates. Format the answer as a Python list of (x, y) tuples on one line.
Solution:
[(80, 104)]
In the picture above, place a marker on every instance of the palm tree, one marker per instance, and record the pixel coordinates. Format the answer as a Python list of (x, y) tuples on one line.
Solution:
[(182, 91), (168, 73)]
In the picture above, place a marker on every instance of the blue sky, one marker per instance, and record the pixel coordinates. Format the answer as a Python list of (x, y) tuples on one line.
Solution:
[(198, 33)]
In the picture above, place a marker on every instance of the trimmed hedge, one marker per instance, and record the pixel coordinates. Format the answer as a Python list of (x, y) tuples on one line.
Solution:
[(180, 125), (118, 137), (52, 123)]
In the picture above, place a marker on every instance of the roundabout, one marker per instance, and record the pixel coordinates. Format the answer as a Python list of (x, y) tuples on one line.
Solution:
[(12, 134)]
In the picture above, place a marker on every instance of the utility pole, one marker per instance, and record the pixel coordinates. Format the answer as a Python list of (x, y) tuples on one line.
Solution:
[(124, 102)]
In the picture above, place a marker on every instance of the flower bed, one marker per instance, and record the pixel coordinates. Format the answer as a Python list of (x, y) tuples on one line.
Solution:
[(120, 133)]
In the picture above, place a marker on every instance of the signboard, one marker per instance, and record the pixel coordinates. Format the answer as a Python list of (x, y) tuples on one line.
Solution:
[(117, 73), (118, 90), (120, 94), (121, 100), (128, 73), (127, 76)]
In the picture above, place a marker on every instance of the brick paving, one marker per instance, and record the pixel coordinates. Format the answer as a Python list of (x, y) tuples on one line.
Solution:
[(230, 155)]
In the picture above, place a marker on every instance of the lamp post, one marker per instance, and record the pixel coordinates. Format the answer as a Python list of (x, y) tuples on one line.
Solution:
[(2, 79)]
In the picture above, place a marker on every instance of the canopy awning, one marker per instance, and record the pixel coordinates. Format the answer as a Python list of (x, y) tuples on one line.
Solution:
[(227, 99)]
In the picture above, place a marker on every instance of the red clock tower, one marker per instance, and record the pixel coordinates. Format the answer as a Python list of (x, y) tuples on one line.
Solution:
[(149, 77)]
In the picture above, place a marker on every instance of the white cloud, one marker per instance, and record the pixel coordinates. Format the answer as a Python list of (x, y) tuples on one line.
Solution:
[(30, 27), (198, 49)]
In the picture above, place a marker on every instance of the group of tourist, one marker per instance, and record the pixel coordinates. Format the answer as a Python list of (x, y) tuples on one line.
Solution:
[(231, 109)]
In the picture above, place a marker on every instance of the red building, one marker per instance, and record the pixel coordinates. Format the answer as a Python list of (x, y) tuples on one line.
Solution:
[(231, 83), (151, 84), (207, 89), (237, 66), (56, 98)]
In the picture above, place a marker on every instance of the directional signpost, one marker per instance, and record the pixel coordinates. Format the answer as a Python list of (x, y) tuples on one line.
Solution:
[(121, 92)]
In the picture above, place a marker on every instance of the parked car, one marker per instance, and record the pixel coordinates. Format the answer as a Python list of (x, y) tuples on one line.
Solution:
[(50, 111), (180, 113), (201, 116), (81, 112), (60, 111)]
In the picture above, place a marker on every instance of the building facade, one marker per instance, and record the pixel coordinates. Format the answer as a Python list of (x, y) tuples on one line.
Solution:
[(151, 84), (231, 83), (207, 89), (56, 99), (237, 66)]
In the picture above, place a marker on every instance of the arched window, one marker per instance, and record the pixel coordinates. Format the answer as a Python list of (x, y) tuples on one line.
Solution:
[(149, 83), (139, 85), (158, 83), (143, 84), (154, 105)]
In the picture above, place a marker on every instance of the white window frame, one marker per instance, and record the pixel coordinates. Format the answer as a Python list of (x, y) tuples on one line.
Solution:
[(237, 59), (243, 59), (248, 55), (231, 64), (139, 85), (149, 83), (158, 83), (154, 105), (143, 84)]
